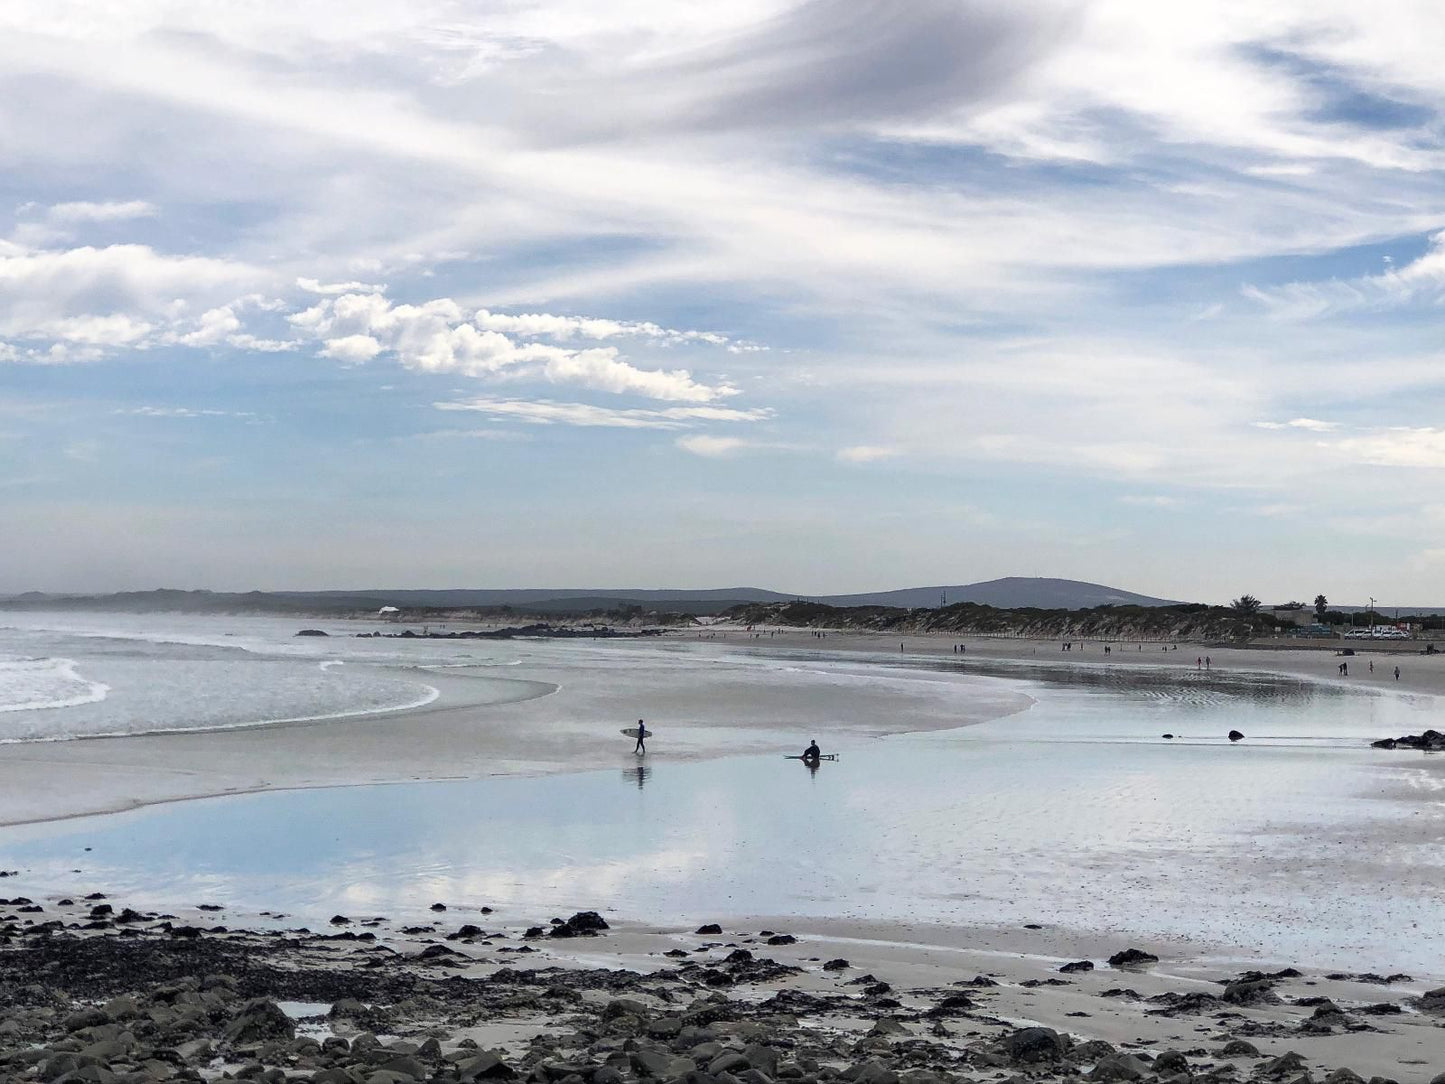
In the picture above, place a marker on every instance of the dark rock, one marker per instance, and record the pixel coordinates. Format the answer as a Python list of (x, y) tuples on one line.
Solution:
[(782, 939), (313, 632), (709, 929), (1076, 966), (1035, 1045), (1289, 1062), (438, 907), (1344, 1076), (1132, 957), (485, 1066), (257, 1021), (1171, 1061), (1432, 741), (1235, 735), (952, 1004), (836, 965), (582, 924), (1251, 992), (1239, 1048), (340, 920), (1119, 1066)]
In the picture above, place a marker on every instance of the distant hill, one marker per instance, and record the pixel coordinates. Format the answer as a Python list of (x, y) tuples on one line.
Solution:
[(1011, 593)]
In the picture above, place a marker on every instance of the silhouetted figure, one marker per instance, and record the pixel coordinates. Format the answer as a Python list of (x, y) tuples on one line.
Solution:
[(641, 746), (812, 754), (1397, 673)]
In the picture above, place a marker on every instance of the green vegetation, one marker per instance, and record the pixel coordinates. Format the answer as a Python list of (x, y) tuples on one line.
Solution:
[(1186, 621)]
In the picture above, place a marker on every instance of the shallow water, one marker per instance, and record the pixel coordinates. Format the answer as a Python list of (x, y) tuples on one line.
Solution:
[(1299, 844)]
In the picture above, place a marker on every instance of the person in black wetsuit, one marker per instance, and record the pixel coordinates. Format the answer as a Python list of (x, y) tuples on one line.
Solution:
[(641, 746), (812, 754)]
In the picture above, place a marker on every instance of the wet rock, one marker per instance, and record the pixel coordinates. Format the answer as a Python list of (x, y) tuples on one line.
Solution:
[(836, 965), (582, 924), (1035, 1045), (709, 929), (782, 939), (257, 1021), (1431, 741), (1119, 1066), (1239, 1048), (1171, 1061), (1235, 735), (1132, 957), (1289, 1062), (1076, 966), (1344, 1076), (1251, 992), (485, 1066)]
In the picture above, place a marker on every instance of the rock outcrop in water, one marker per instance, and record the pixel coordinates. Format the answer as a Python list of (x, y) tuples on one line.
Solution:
[(1432, 741)]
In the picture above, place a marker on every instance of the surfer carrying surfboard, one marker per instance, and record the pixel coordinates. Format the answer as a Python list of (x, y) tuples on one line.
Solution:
[(641, 746)]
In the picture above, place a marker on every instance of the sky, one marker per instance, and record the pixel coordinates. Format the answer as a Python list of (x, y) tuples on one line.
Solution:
[(820, 297)]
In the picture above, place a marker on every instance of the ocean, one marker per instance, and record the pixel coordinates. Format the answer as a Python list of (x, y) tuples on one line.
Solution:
[(1064, 806)]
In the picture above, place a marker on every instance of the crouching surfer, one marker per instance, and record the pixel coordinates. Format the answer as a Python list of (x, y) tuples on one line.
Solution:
[(812, 754)]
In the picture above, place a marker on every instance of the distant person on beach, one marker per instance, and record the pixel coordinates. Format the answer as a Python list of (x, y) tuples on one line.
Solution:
[(641, 746), (812, 753), (1345, 669), (1397, 673)]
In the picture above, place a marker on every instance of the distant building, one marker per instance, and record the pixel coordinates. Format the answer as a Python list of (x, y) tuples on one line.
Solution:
[(1293, 613)]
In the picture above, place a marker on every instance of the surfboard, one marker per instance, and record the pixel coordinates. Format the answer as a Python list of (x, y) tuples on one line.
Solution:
[(631, 731), (825, 756)]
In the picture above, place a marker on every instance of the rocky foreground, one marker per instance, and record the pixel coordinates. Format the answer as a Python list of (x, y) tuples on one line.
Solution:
[(97, 995)]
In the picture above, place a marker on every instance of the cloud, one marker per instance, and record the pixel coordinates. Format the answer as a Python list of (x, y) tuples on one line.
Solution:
[(1150, 501), (563, 328), (183, 412), (1420, 280), (316, 286), (1397, 447), (866, 453), (1311, 424), (107, 297), (547, 412), (711, 447), (435, 337), (109, 211), (351, 348)]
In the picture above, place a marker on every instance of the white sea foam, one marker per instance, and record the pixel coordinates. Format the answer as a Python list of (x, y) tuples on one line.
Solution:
[(34, 684)]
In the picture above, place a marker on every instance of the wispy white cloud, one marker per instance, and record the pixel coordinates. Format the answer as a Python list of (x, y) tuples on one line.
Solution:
[(712, 447), (866, 453), (1396, 447), (104, 211), (316, 286), (183, 412), (1312, 425), (1420, 280), (547, 412)]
